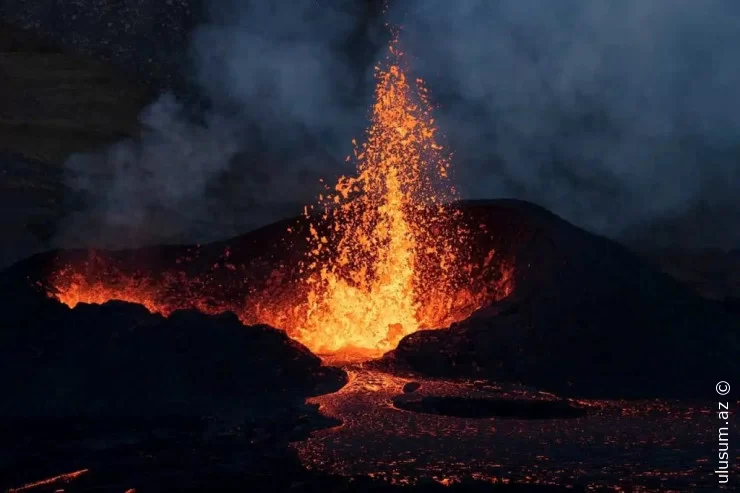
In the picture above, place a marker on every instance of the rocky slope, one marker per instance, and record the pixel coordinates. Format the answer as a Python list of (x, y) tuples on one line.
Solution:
[(55, 103), (587, 318)]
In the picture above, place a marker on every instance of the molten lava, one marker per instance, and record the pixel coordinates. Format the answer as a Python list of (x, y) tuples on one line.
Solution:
[(386, 255), (392, 271)]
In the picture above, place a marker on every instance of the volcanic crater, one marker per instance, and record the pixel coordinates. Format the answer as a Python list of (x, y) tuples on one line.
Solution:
[(563, 309), (258, 276)]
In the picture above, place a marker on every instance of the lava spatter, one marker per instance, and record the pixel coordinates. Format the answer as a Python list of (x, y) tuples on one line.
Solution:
[(397, 252)]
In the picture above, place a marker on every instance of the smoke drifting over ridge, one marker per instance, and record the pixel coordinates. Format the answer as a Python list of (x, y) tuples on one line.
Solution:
[(287, 87), (613, 114)]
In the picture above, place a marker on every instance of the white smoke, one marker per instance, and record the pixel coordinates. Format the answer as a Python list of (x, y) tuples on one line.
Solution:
[(284, 96)]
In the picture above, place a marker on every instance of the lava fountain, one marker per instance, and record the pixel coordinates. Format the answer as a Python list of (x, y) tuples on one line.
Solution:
[(392, 271), (384, 252)]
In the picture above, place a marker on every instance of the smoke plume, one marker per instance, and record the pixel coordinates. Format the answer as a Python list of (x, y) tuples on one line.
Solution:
[(616, 114), (285, 86), (619, 115)]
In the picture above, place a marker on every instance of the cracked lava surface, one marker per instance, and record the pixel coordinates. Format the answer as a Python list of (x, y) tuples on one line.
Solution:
[(644, 445)]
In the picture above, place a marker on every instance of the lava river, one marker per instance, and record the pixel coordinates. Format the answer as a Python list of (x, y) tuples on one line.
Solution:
[(643, 445)]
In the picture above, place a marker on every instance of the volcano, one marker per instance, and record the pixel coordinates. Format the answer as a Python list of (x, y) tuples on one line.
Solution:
[(392, 336), (494, 289), (587, 317)]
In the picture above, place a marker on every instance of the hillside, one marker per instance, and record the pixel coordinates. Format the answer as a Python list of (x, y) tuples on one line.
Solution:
[(56, 103)]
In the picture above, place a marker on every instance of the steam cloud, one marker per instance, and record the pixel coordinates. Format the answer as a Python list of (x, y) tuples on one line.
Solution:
[(614, 114), (284, 99)]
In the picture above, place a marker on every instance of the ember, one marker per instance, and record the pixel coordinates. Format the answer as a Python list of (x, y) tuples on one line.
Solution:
[(62, 478), (385, 253)]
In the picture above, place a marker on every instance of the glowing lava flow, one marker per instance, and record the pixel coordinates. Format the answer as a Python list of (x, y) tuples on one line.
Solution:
[(378, 438), (62, 478), (385, 252)]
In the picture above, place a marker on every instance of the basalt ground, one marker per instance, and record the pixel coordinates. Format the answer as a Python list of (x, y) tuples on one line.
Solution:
[(593, 349)]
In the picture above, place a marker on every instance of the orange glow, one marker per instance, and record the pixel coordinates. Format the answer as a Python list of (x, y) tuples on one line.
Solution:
[(62, 478), (396, 265), (386, 254)]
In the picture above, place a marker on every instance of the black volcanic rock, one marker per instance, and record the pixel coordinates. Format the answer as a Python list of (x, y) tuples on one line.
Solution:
[(117, 359), (587, 317), (411, 387)]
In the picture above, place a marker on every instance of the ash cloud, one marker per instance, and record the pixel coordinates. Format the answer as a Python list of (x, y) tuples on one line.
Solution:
[(621, 116), (284, 90)]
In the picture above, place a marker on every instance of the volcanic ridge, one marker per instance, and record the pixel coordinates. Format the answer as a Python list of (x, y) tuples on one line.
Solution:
[(586, 316)]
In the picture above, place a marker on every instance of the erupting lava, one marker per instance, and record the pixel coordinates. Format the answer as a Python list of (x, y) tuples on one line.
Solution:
[(386, 256), (395, 266)]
